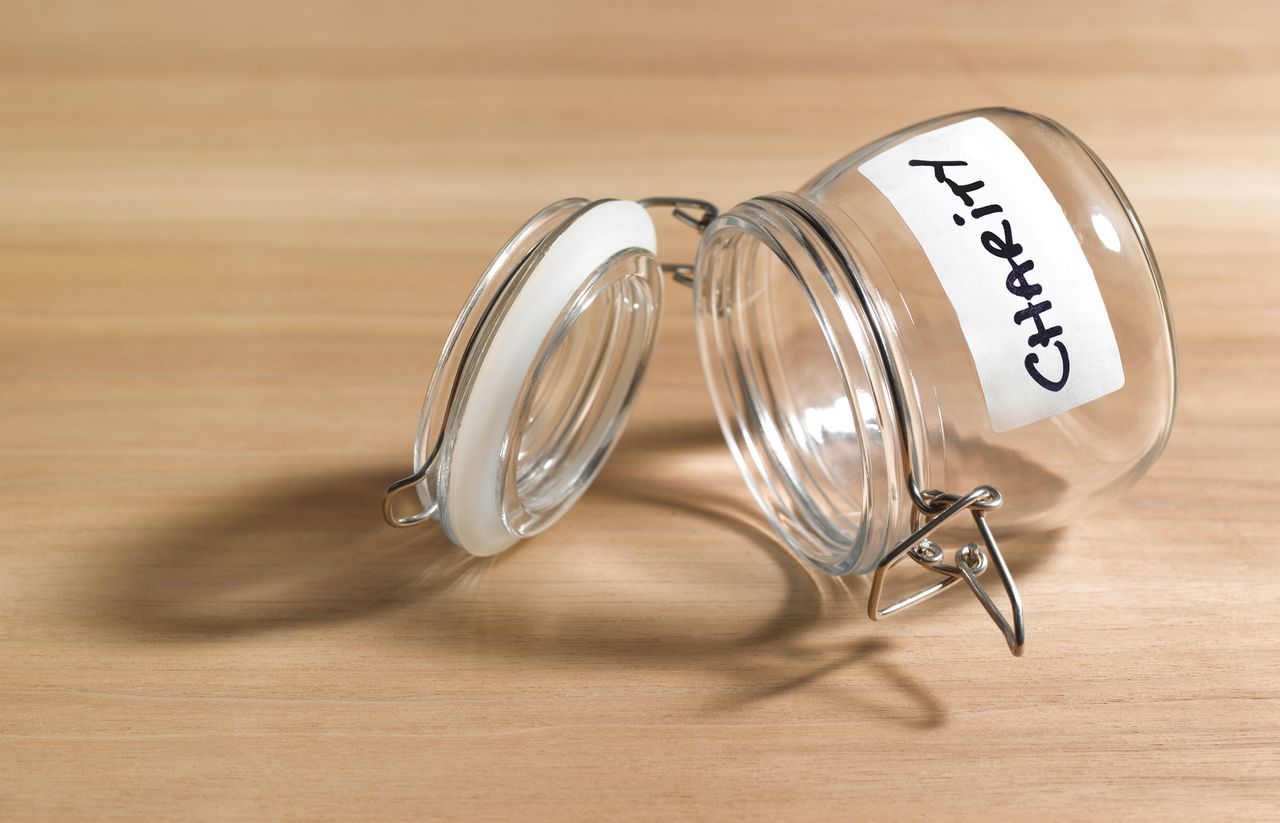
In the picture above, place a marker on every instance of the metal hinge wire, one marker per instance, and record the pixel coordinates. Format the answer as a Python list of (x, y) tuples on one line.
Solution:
[(683, 272), (970, 561)]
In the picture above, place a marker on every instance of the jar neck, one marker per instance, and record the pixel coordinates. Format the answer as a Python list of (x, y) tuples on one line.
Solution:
[(838, 496), (838, 255)]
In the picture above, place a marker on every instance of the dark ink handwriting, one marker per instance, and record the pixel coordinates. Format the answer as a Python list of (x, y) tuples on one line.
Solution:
[(999, 243)]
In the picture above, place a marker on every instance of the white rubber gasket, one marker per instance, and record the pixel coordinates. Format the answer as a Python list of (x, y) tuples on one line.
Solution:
[(473, 510)]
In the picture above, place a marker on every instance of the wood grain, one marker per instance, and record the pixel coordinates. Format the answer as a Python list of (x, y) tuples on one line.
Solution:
[(232, 238)]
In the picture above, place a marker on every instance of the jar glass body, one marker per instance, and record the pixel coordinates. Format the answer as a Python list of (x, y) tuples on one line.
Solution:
[(840, 366)]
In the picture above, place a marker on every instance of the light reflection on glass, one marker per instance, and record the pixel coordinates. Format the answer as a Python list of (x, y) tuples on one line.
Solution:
[(1106, 231)]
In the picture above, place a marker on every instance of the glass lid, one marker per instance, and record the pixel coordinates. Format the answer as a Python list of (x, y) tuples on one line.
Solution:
[(537, 376)]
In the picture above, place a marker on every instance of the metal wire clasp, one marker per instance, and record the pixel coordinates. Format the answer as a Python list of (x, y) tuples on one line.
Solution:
[(970, 560), (683, 272), (409, 485)]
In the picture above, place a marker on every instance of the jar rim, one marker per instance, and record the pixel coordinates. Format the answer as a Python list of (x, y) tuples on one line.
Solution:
[(817, 265)]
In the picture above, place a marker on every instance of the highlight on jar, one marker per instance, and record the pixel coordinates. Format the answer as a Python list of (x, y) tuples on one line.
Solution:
[(957, 329)]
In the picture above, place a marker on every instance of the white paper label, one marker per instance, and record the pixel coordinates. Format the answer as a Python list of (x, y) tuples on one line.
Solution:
[(1009, 262)]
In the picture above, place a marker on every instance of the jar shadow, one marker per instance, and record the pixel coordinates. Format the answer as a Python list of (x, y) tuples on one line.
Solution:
[(290, 553), (721, 597), (688, 469), (297, 556), (818, 634)]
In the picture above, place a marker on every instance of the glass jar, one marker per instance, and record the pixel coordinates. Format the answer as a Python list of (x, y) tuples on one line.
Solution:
[(961, 316)]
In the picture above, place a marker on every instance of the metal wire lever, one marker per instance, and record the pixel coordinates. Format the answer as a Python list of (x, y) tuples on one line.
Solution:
[(683, 272), (970, 560), (408, 485)]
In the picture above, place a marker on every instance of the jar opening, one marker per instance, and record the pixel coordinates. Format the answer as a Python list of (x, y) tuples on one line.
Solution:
[(798, 388)]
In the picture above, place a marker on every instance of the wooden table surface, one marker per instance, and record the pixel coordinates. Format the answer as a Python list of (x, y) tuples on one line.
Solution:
[(232, 239)]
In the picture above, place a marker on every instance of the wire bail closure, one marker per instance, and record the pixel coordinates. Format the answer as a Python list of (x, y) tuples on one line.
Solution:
[(683, 272), (970, 562)]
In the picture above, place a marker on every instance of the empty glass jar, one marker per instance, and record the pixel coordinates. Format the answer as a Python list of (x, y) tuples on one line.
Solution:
[(963, 315)]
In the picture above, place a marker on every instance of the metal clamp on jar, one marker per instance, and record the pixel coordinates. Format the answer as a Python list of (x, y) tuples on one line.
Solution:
[(962, 316)]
